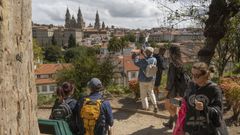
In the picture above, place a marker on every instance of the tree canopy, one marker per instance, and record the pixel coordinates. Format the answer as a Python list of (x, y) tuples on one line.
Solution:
[(213, 15), (86, 65)]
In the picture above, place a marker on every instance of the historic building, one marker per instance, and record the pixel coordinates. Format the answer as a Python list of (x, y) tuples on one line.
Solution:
[(71, 22)]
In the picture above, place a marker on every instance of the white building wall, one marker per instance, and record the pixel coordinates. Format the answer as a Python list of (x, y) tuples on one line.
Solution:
[(50, 88)]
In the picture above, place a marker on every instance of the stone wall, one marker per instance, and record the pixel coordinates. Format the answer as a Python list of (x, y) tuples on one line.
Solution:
[(18, 99)]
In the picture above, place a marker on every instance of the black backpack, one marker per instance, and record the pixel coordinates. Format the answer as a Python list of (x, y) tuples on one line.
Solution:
[(63, 111)]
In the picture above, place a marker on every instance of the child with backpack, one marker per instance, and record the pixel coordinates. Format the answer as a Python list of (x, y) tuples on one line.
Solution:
[(94, 114), (64, 104)]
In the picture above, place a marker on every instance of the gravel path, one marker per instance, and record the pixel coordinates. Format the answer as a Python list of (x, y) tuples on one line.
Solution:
[(134, 122)]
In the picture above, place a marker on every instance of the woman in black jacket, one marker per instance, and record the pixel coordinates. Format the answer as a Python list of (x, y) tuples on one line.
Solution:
[(204, 104), (177, 81)]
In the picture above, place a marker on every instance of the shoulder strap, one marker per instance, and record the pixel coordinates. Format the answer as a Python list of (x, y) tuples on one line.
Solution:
[(69, 100)]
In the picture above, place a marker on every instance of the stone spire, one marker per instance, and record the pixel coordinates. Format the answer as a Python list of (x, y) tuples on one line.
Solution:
[(67, 19), (73, 22), (97, 22), (103, 25), (80, 22)]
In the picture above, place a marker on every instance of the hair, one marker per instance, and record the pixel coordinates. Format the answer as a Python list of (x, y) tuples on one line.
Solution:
[(59, 92), (162, 50), (175, 55), (67, 88), (204, 68)]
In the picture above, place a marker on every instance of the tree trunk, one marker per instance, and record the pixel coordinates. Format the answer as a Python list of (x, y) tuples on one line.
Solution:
[(215, 27), (17, 91)]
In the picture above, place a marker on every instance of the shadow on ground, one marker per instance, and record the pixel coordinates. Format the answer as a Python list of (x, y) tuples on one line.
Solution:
[(151, 131), (129, 107), (127, 103)]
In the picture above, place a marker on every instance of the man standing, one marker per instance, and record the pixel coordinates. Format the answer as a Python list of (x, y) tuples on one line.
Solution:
[(146, 82), (94, 114), (161, 65)]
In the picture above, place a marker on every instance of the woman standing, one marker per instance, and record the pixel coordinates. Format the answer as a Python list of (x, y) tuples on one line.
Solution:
[(177, 81), (204, 104)]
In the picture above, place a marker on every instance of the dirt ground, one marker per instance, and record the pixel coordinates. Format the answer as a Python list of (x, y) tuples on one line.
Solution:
[(129, 120)]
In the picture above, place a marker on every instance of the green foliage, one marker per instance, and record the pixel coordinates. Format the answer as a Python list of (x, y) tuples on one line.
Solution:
[(131, 37), (167, 45), (37, 50), (163, 81), (236, 69), (138, 45), (153, 44), (116, 44), (54, 42), (141, 38), (45, 99), (53, 54), (72, 41), (118, 89), (73, 53), (188, 68), (228, 47), (86, 65)]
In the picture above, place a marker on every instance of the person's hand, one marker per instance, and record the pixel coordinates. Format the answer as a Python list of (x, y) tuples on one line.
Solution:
[(198, 105), (136, 51)]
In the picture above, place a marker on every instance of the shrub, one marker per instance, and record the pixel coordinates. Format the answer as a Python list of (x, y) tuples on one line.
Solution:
[(45, 99), (134, 87), (231, 88), (117, 89)]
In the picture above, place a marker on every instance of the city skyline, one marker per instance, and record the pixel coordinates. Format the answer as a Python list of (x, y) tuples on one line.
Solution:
[(126, 13)]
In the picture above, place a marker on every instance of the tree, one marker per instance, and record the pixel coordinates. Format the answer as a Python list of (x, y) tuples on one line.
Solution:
[(53, 54), (74, 53), (141, 38), (214, 20), (114, 45), (18, 91), (37, 51), (86, 66), (72, 41), (227, 46), (131, 37), (54, 42)]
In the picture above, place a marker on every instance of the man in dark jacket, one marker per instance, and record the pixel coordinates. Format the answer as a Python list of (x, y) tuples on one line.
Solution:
[(162, 65)]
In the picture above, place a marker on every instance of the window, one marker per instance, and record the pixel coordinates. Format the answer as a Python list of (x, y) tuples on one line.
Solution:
[(38, 89), (44, 76), (44, 88), (133, 75), (52, 88)]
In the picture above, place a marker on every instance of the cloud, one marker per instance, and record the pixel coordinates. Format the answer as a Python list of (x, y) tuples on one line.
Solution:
[(122, 13)]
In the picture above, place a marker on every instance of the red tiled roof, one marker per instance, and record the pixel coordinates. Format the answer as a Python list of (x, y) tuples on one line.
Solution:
[(128, 63), (45, 81), (50, 68)]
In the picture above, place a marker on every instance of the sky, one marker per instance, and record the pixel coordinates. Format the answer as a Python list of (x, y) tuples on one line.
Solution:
[(121, 13)]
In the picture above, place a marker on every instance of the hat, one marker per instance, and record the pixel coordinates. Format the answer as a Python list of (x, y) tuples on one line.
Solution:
[(95, 84), (150, 49)]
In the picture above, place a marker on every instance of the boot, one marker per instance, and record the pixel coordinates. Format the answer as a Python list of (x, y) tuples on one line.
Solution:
[(170, 122)]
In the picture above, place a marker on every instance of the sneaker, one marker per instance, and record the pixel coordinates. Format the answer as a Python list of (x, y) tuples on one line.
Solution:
[(155, 110)]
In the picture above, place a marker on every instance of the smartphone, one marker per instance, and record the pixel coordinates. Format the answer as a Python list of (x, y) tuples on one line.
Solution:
[(176, 102)]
